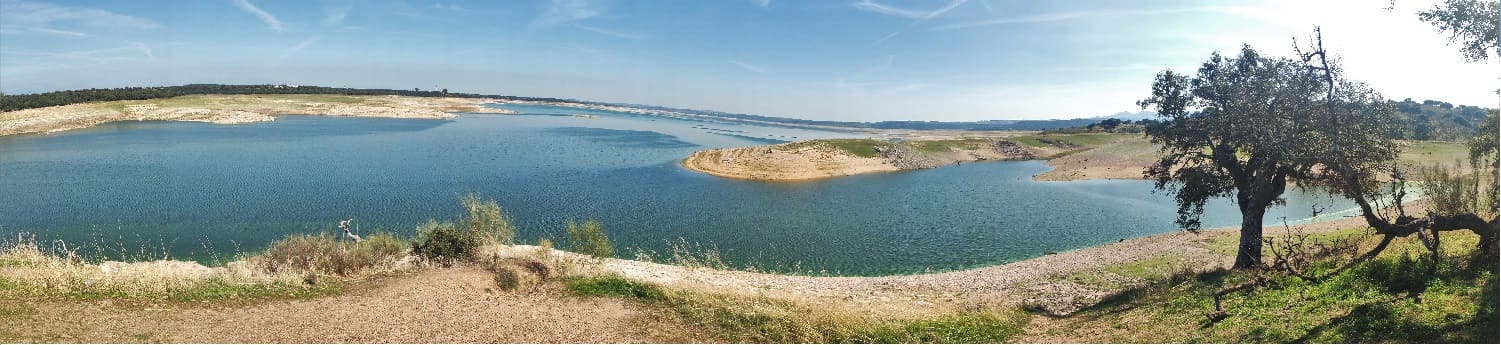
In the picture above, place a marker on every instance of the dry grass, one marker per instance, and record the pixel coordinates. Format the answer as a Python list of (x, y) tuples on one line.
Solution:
[(27, 270), (325, 254)]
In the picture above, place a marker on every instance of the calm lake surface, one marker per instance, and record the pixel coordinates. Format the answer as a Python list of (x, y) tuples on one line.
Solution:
[(192, 188)]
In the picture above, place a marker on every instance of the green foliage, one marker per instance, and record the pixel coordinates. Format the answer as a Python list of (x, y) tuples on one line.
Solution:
[(589, 238), (328, 255), (484, 219), (444, 242), (1246, 126), (1471, 23), (1451, 193)]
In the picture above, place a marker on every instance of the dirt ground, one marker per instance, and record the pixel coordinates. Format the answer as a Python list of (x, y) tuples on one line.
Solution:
[(458, 305)]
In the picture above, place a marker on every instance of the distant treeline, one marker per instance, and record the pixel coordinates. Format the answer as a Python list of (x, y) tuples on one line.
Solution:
[(990, 125), (1429, 120), (48, 99), (1435, 120)]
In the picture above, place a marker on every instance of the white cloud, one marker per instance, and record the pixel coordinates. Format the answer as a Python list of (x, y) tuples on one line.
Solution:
[(762, 3), (270, 20), (625, 35), (748, 67), (565, 11), (1062, 16), (335, 15), (872, 6), (19, 17)]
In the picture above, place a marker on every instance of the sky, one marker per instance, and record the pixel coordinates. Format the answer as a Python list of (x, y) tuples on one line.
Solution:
[(852, 60)]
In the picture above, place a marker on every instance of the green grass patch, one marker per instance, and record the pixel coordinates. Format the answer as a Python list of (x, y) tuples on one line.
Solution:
[(1027, 140), (1152, 268), (1423, 153), (858, 147), (948, 145), (614, 286), (1402, 296)]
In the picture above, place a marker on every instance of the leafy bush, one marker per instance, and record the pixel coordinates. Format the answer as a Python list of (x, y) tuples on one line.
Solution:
[(589, 238), (485, 220), (443, 242), (326, 254)]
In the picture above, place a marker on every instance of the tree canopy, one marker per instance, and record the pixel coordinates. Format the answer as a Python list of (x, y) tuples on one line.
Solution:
[(1246, 126)]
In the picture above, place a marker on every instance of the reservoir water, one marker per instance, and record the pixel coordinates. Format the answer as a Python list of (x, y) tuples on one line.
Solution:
[(185, 189)]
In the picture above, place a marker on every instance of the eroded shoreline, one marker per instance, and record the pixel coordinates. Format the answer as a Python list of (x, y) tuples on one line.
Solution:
[(236, 109), (827, 158)]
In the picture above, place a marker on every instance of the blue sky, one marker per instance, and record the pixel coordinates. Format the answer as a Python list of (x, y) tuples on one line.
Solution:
[(863, 60)]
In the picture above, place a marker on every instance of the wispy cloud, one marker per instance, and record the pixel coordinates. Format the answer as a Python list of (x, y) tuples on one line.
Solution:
[(270, 20), (335, 15), (872, 6), (748, 67), (917, 15), (565, 11), (762, 3), (625, 35), (19, 17), (300, 46), (1062, 16)]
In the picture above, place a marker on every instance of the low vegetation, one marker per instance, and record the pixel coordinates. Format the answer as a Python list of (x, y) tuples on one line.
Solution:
[(858, 147), (325, 254), (769, 320), (589, 238), (1401, 296)]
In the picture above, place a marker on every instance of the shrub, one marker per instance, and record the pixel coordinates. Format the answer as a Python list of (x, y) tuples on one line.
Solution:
[(512, 274), (538, 268), (509, 278), (589, 238), (443, 242), (326, 254), (484, 219)]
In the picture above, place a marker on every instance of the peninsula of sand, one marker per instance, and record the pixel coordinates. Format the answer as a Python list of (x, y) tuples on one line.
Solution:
[(823, 158), (234, 109)]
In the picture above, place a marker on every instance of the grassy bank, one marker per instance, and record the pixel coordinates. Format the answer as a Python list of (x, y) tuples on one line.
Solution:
[(1401, 296)]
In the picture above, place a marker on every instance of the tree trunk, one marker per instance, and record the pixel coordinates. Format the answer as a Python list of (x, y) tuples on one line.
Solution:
[(1249, 253)]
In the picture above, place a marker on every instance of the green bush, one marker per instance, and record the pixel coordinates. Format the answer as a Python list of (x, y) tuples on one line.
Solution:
[(485, 220), (443, 242), (326, 254), (589, 238)]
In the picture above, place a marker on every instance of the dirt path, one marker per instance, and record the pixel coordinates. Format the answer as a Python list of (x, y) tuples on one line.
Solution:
[(432, 306)]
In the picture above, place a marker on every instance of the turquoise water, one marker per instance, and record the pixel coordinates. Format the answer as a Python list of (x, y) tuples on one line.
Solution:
[(190, 188)]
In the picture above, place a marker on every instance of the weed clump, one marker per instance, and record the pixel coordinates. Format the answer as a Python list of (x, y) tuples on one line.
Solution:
[(444, 242), (484, 219), (589, 239), (327, 255)]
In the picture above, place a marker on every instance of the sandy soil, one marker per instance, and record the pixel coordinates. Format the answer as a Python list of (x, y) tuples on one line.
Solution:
[(805, 161), (782, 163), (457, 305), (1123, 160), (233, 109)]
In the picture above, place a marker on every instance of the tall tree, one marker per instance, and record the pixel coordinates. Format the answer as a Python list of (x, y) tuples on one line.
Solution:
[(1350, 127), (1471, 23), (1237, 129)]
